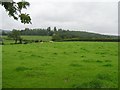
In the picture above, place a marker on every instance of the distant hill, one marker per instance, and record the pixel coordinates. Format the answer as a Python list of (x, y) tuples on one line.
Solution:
[(66, 35), (84, 36)]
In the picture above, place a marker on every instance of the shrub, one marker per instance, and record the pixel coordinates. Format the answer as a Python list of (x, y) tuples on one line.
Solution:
[(56, 37)]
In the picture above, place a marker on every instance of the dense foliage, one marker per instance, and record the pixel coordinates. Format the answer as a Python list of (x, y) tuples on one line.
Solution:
[(14, 10), (15, 35)]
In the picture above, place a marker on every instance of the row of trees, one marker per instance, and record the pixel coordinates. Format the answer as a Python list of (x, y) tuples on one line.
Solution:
[(59, 35), (16, 34), (42, 32)]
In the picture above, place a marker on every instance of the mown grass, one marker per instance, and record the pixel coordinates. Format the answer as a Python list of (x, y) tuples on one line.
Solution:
[(61, 65)]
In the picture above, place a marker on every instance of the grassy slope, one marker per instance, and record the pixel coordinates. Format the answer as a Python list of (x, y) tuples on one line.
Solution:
[(44, 38), (63, 64)]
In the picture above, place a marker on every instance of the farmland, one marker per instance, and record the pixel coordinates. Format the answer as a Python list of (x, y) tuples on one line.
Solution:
[(43, 38), (59, 44), (60, 65)]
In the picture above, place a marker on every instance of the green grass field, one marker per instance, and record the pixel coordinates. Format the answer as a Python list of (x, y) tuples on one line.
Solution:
[(43, 38), (61, 65)]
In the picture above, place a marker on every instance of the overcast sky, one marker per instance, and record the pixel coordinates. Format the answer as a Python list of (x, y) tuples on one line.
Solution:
[(94, 16)]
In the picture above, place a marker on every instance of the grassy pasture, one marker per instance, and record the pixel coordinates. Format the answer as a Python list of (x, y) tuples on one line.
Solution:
[(43, 38), (61, 65)]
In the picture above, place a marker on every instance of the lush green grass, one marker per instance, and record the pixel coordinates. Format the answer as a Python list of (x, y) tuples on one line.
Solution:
[(61, 65), (44, 38)]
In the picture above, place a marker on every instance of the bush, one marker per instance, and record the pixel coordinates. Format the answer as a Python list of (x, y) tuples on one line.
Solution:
[(56, 37)]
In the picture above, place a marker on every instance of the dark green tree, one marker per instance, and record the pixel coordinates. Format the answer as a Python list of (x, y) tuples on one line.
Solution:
[(49, 29), (55, 29), (15, 35), (3, 33), (56, 37), (59, 30), (14, 10)]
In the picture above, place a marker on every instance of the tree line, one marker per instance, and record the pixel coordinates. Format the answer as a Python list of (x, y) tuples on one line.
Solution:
[(59, 35)]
